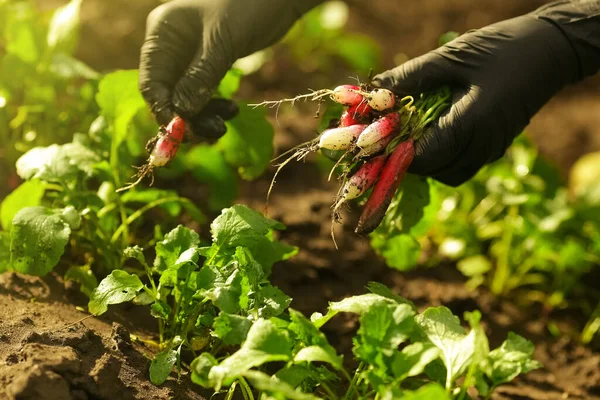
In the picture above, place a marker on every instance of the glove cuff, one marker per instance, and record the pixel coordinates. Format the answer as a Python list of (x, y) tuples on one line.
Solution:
[(578, 22)]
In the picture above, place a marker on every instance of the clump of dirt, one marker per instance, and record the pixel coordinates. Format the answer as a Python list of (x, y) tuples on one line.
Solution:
[(46, 354)]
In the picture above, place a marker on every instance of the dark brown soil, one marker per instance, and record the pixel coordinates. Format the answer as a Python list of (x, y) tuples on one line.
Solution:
[(44, 355)]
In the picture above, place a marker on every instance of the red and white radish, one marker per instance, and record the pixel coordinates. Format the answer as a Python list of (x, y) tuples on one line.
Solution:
[(168, 143), (340, 138), (361, 180), (381, 99), (375, 147), (164, 148), (347, 95), (383, 127), (355, 114), (390, 178)]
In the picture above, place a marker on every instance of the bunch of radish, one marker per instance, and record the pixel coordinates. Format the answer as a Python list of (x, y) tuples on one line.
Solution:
[(374, 139)]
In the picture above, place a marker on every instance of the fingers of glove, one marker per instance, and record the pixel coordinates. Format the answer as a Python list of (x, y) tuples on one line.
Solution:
[(420, 74), (463, 141), (444, 142), (207, 127), (475, 156), (194, 89), (224, 108), (164, 56)]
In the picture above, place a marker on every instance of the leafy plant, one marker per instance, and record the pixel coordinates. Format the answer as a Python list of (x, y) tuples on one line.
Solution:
[(251, 339), (514, 228), (45, 93), (204, 304)]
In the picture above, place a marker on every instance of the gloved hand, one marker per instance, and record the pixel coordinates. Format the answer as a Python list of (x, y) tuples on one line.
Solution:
[(190, 45), (501, 76)]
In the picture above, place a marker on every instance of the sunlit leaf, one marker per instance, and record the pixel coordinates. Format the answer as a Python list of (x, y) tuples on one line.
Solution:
[(39, 236), (248, 143), (118, 287), (28, 194)]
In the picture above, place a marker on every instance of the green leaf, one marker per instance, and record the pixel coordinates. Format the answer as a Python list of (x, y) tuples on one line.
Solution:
[(20, 33), (273, 301), (248, 143), (160, 309), (120, 100), (4, 251), (474, 265), (355, 304), (431, 391), (84, 276), (39, 236), (171, 248), (480, 363), (443, 329), (230, 83), (63, 28), (116, 288), (207, 164), (69, 68), (57, 163), (318, 354), (311, 337), (265, 343), (162, 365), (400, 251), (382, 290), (359, 51), (239, 226), (206, 319), (135, 252), (223, 286), (414, 200), (382, 328), (201, 367), (231, 329), (28, 194), (413, 359), (271, 384), (268, 251), (513, 357)]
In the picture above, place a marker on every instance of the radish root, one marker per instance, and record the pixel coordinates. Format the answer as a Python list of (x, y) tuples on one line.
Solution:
[(143, 172)]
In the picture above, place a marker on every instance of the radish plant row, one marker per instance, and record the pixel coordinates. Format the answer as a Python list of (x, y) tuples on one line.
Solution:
[(215, 300)]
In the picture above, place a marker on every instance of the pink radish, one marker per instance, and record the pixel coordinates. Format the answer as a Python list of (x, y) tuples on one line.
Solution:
[(168, 143), (381, 99), (390, 178), (361, 180), (340, 138), (383, 127), (346, 95), (355, 114), (163, 149)]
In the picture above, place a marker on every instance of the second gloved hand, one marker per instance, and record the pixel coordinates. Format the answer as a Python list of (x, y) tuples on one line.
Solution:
[(501, 75), (191, 44)]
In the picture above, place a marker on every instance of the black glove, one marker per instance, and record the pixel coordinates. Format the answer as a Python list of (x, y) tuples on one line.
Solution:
[(501, 76), (191, 44)]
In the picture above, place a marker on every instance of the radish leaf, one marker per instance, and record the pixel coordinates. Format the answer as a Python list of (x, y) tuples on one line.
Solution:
[(39, 236), (118, 287)]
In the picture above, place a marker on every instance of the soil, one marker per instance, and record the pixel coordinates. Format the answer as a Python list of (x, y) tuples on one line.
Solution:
[(46, 352)]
